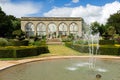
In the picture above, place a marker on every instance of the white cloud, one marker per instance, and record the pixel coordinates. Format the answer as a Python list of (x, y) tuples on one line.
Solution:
[(50, 1), (59, 12), (75, 1), (89, 13), (19, 9), (71, 3)]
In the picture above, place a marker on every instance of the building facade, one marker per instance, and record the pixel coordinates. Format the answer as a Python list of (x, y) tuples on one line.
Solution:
[(52, 26)]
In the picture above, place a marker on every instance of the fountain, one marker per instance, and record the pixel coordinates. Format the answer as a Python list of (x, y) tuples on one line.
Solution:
[(79, 68), (63, 69), (93, 49)]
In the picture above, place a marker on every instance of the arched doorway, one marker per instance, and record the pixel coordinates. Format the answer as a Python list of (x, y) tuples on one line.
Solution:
[(41, 29), (73, 28), (52, 31), (29, 28), (62, 29)]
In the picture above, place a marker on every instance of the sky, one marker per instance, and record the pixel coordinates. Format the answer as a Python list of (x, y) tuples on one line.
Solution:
[(89, 10)]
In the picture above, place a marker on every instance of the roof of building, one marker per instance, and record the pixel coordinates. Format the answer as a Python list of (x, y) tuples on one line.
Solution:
[(51, 19)]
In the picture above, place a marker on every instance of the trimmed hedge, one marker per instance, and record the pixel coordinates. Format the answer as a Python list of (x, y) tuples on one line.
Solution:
[(109, 50), (103, 49), (106, 42), (80, 48), (18, 52)]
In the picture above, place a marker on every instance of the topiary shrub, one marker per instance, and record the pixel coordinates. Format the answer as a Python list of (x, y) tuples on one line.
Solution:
[(20, 43), (19, 34), (3, 42)]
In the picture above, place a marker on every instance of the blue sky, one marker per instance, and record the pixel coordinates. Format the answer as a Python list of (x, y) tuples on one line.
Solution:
[(89, 10)]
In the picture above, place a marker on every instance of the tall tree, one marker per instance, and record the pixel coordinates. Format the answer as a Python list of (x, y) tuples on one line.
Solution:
[(114, 21), (5, 24), (8, 24), (97, 27)]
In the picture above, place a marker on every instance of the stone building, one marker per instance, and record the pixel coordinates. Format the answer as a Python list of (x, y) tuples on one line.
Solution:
[(52, 26)]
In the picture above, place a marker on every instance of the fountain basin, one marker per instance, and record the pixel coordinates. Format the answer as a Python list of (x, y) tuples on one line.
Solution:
[(67, 68)]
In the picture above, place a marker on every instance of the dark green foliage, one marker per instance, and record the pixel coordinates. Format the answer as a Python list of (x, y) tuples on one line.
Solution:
[(18, 52), (97, 27), (106, 36), (103, 49), (42, 49), (80, 48), (5, 24), (3, 42), (109, 50), (20, 43), (19, 34), (106, 42), (118, 40), (8, 24), (114, 21), (6, 53), (38, 43)]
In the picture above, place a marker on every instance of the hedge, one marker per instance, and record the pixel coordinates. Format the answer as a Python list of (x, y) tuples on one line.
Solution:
[(106, 42), (18, 52), (103, 49)]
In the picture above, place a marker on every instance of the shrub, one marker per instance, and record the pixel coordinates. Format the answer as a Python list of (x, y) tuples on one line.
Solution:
[(19, 34), (22, 51), (38, 43), (85, 42), (109, 50), (3, 42), (103, 49), (106, 42), (66, 40), (118, 40), (20, 43), (80, 48)]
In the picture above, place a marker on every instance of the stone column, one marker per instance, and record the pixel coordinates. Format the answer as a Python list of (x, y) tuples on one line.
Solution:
[(57, 32), (35, 29), (68, 29)]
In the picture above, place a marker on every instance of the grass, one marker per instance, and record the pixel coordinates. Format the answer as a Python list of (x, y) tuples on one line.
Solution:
[(61, 50)]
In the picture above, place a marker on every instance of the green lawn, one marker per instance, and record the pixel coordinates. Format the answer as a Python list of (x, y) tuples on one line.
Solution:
[(61, 50)]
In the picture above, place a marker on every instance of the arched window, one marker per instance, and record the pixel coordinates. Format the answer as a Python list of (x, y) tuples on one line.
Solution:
[(62, 29), (52, 29), (29, 28), (73, 28), (41, 29)]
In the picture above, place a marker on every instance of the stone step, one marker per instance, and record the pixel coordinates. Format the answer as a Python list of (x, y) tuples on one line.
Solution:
[(54, 40), (54, 43)]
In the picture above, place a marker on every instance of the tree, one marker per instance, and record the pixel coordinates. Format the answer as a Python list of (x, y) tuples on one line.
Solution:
[(111, 31), (114, 20), (5, 24), (15, 22), (97, 28), (8, 24)]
